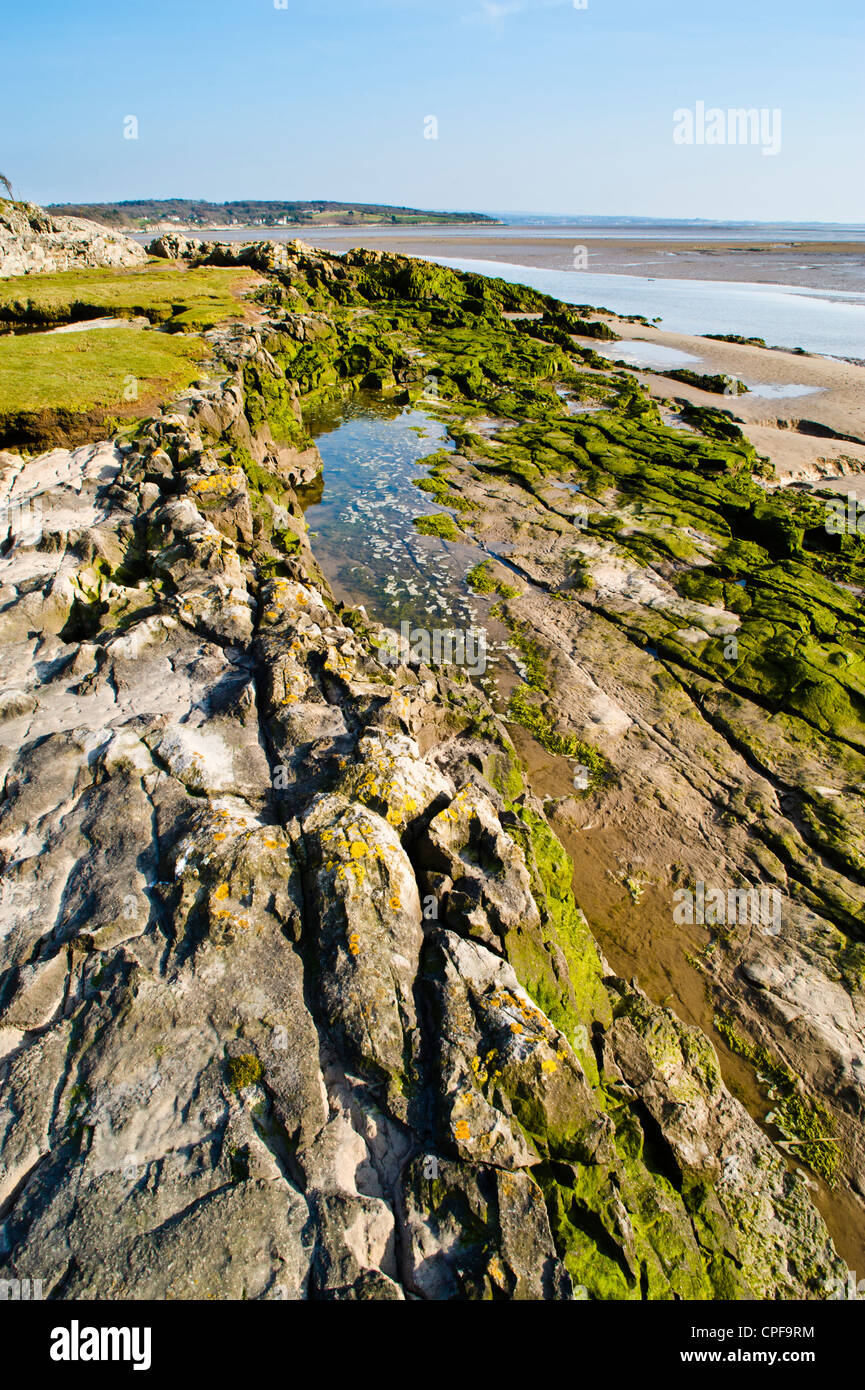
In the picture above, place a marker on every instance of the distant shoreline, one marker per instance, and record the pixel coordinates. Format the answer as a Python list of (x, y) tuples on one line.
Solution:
[(205, 215), (196, 229), (830, 265)]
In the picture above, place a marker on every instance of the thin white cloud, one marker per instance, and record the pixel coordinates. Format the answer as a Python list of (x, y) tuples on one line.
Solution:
[(495, 12)]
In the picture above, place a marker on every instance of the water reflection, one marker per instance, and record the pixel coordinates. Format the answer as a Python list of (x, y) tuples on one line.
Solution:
[(360, 512)]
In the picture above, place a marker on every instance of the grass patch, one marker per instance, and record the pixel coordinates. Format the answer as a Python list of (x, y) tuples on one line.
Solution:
[(80, 371), (165, 294)]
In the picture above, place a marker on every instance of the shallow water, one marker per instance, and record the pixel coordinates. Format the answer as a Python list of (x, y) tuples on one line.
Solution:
[(642, 354), (777, 393), (658, 356), (363, 534), (360, 518)]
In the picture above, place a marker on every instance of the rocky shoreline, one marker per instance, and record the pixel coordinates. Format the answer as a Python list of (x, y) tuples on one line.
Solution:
[(296, 999)]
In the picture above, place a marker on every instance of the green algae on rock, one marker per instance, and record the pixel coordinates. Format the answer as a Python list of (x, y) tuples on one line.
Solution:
[(438, 524)]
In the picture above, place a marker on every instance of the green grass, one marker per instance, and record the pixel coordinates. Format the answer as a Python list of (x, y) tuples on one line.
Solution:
[(92, 369), (168, 294)]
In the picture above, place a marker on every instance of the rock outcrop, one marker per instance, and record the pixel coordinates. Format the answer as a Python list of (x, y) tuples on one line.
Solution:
[(34, 243), (296, 998), (289, 1009)]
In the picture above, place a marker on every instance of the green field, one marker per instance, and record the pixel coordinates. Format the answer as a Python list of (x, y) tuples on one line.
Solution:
[(66, 385), (165, 293), (110, 368)]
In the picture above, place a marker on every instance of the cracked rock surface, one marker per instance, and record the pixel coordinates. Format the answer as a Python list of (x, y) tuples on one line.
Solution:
[(289, 1009)]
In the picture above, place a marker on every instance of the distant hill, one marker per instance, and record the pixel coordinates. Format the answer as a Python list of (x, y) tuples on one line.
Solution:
[(193, 212)]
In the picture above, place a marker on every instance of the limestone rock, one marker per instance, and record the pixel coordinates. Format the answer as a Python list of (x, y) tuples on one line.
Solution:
[(490, 886), (32, 242)]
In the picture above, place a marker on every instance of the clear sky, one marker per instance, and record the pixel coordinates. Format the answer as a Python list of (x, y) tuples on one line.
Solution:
[(540, 106)]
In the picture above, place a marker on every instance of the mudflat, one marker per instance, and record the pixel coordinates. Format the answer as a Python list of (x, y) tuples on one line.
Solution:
[(827, 265)]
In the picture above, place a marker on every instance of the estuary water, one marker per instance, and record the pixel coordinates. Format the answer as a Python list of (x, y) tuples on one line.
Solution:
[(340, 237)]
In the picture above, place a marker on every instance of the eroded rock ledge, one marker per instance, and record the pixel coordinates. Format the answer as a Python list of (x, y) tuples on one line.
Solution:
[(288, 1008), (33, 242)]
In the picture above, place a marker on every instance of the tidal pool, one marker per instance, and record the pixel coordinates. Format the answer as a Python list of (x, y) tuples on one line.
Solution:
[(361, 522), (642, 354), (360, 513)]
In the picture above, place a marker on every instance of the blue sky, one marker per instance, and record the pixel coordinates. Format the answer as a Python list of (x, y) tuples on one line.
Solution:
[(540, 106)]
